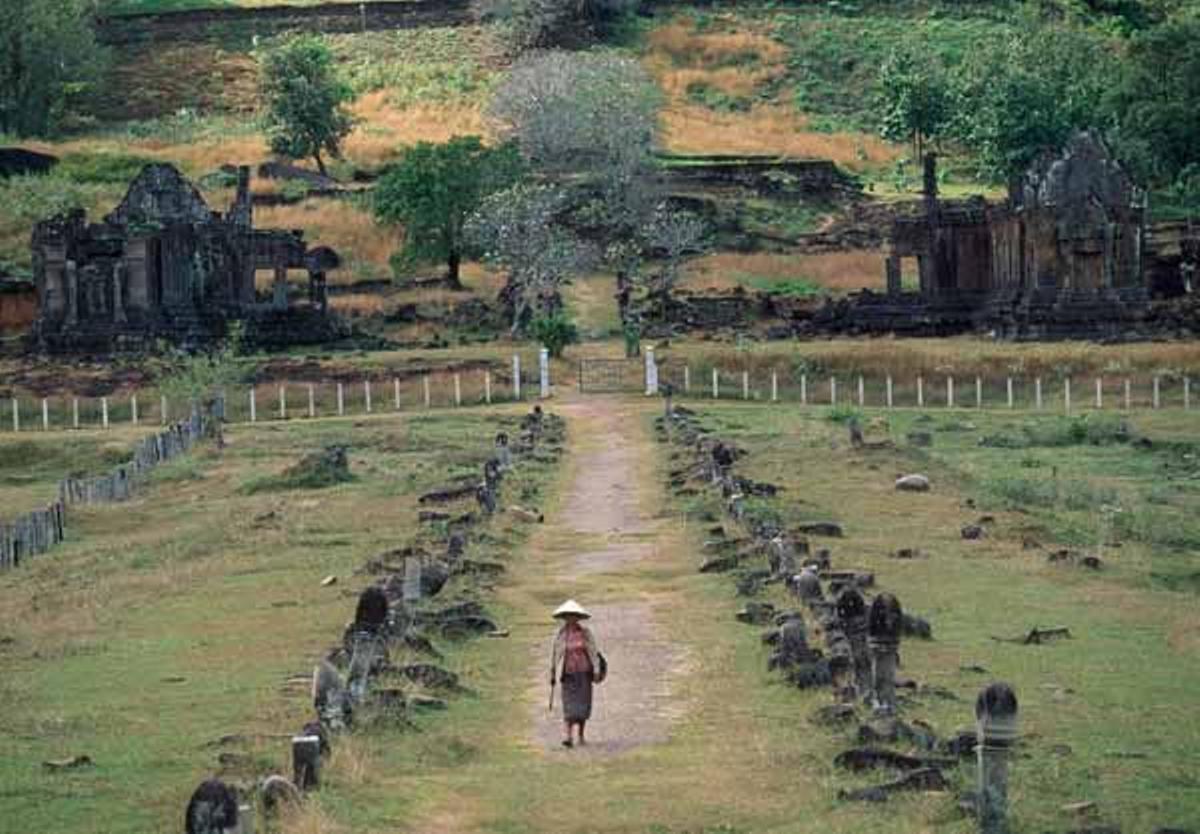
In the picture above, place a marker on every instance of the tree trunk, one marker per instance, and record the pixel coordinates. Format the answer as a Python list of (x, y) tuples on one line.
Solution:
[(453, 279), (320, 163)]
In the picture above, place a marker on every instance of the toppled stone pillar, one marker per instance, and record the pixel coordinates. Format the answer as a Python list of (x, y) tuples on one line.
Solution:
[(651, 373), (807, 586), (996, 733), (503, 454), (883, 637)]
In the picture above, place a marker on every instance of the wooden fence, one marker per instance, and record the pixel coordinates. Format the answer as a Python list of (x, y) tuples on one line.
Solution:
[(42, 529)]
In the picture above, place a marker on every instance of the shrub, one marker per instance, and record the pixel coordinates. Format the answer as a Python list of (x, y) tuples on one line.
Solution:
[(555, 331)]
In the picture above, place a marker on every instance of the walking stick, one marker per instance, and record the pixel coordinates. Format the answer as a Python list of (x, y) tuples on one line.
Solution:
[(550, 706)]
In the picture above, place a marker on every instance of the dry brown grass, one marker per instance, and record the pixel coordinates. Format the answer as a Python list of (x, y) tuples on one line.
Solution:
[(344, 226), (767, 129), (740, 62), (836, 271), (385, 129)]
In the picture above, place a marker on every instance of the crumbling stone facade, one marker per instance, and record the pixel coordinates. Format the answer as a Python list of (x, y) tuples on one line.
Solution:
[(1061, 258), (163, 265)]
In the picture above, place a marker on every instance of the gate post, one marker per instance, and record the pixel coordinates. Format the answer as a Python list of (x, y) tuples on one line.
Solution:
[(544, 372), (651, 373)]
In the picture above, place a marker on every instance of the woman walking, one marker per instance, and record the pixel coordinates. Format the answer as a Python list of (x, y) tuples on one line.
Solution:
[(577, 664)]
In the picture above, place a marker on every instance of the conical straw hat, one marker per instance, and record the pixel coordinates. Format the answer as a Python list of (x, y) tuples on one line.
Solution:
[(571, 607)]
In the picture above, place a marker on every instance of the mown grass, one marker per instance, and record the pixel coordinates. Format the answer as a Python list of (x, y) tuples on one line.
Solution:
[(178, 618), (1103, 713)]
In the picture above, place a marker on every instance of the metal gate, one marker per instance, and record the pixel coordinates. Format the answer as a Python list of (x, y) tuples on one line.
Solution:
[(597, 376)]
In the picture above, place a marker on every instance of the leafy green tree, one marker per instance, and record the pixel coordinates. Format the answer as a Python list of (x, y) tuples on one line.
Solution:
[(49, 64), (304, 100), (913, 96), (555, 331), (1157, 103), (1019, 96), (433, 189)]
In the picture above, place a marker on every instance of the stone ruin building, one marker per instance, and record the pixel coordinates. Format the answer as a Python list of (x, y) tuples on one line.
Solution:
[(163, 265), (1064, 257)]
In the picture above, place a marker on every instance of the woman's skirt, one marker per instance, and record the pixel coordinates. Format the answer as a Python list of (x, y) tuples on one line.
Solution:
[(577, 697)]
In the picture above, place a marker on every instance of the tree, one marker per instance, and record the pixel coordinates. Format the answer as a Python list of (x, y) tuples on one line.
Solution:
[(433, 189), (674, 236), (593, 114), (1017, 97), (543, 24), (913, 98), (1157, 102), (49, 64), (304, 100), (520, 230)]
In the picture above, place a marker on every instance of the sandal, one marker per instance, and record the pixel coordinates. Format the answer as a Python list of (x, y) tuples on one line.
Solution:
[(567, 743)]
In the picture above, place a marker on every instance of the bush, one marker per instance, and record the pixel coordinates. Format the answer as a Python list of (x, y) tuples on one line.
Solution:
[(555, 332)]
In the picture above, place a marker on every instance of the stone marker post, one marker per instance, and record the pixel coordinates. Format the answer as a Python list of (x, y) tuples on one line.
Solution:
[(852, 615), (341, 399), (883, 639), (306, 762), (920, 392), (996, 733), (457, 390), (412, 580), (889, 390), (803, 389), (212, 809), (544, 373), (833, 390), (516, 377), (367, 394), (716, 384), (1155, 401), (253, 406), (487, 387), (75, 412), (162, 409), (745, 385), (774, 386), (133, 409), (1099, 393), (46, 415), (396, 393), (312, 400), (104, 412), (1009, 390), (651, 373)]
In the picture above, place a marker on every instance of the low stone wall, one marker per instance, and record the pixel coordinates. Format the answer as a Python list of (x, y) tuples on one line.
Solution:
[(42, 529), (326, 18)]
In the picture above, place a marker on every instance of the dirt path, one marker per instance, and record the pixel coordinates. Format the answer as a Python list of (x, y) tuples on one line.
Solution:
[(603, 535)]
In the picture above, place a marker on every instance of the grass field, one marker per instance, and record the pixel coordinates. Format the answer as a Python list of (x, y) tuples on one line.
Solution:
[(178, 618), (1103, 715)]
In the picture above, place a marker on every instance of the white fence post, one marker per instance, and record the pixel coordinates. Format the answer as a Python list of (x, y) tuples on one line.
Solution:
[(1187, 393), (862, 392), (45, 415), (428, 395), (75, 411), (1156, 391), (16, 414), (516, 376), (133, 411), (312, 400), (651, 373), (1009, 388), (457, 390), (774, 386), (162, 408), (889, 391), (1037, 393), (949, 392), (745, 385), (253, 405), (396, 392), (1099, 392), (1067, 393), (1128, 395), (487, 387), (920, 392), (104, 412), (716, 384), (544, 372), (367, 394), (978, 392), (803, 389), (687, 379), (341, 399), (283, 402), (833, 390)]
